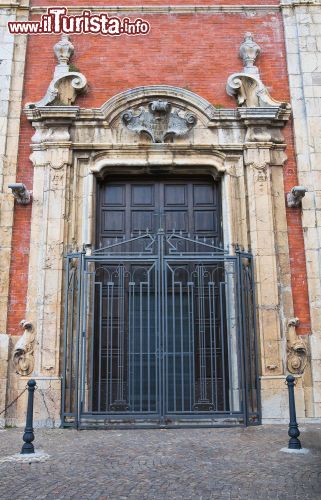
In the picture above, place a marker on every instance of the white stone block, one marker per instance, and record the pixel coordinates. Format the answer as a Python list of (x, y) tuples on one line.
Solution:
[(309, 63), (293, 64)]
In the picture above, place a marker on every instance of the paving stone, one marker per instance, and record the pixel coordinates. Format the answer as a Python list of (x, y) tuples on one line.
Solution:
[(180, 464)]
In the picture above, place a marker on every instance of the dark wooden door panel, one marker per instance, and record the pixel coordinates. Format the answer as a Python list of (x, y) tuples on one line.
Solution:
[(126, 207)]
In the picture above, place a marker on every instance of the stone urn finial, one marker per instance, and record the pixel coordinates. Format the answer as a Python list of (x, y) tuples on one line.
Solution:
[(63, 50), (249, 51)]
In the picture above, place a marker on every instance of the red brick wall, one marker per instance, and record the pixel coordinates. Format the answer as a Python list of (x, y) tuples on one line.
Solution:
[(193, 51)]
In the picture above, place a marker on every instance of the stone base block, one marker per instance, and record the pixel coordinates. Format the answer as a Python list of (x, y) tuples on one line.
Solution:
[(275, 399), (4, 356), (47, 403)]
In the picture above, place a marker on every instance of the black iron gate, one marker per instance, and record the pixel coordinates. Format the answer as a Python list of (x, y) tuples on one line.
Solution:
[(160, 330)]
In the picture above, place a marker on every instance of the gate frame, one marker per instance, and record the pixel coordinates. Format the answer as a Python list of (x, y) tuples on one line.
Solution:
[(245, 289)]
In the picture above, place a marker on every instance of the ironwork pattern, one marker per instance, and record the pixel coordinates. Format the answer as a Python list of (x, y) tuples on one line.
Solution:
[(160, 329)]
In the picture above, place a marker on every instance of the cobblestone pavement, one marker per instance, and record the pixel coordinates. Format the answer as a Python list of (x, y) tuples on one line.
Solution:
[(238, 463)]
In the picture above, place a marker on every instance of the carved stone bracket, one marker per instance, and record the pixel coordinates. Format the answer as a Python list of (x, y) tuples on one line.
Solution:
[(159, 121), (20, 193), (297, 349), (249, 91), (23, 359), (294, 197), (246, 86), (66, 84)]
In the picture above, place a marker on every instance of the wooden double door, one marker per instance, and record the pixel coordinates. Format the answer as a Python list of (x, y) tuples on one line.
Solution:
[(126, 208), (159, 346)]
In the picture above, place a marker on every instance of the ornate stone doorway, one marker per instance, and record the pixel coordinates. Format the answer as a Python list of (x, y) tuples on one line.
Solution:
[(165, 324)]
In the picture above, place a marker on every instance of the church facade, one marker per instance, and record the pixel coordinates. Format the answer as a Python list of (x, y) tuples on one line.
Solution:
[(160, 202)]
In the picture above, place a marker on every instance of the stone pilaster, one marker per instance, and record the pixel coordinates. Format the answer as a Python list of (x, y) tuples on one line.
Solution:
[(12, 65), (302, 26), (261, 231), (51, 160)]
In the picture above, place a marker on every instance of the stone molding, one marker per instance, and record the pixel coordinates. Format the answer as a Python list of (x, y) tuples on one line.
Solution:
[(166, 9)]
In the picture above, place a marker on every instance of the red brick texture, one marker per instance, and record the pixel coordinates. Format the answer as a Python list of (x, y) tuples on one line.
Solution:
[(194, 51)]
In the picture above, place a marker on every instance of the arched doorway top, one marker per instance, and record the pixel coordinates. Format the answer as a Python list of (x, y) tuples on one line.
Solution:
[(181, 97)]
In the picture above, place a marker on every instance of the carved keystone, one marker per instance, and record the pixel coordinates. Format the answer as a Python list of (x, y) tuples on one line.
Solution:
[(159, 122)]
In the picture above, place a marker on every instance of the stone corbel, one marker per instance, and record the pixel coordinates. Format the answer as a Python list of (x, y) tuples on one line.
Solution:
[(294, 197), (20, 193), (246, 86), (23, 358), (66, 84), (249, 91), (297, 349)]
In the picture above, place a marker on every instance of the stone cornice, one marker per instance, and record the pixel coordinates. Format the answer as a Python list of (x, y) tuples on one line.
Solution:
[(23, 5), (169, 9), (55, 114), (166, 9), (299, 3)]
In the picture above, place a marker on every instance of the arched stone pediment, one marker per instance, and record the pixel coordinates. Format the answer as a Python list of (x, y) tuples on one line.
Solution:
[(179, 97), (157, 114)]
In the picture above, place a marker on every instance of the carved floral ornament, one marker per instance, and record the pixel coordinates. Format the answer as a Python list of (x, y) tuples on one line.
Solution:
[(159, 121)]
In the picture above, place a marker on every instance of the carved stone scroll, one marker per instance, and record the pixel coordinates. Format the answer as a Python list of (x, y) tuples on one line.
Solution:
[(159, 121), (66, 84), (297, 349), (246, 86), (23, 358)]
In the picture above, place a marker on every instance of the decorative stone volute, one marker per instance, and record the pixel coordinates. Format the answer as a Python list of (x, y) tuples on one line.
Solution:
[(297, 349), (66, 84), (247, 87), (249, 51), (159, 121), (23, 359)]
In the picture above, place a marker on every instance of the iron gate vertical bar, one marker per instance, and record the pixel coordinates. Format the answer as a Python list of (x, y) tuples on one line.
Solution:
[(242, 333), (249, 294), (78, 368), (256, 350), (222, 332), (81, 320), (162, 326), (63, 387)]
